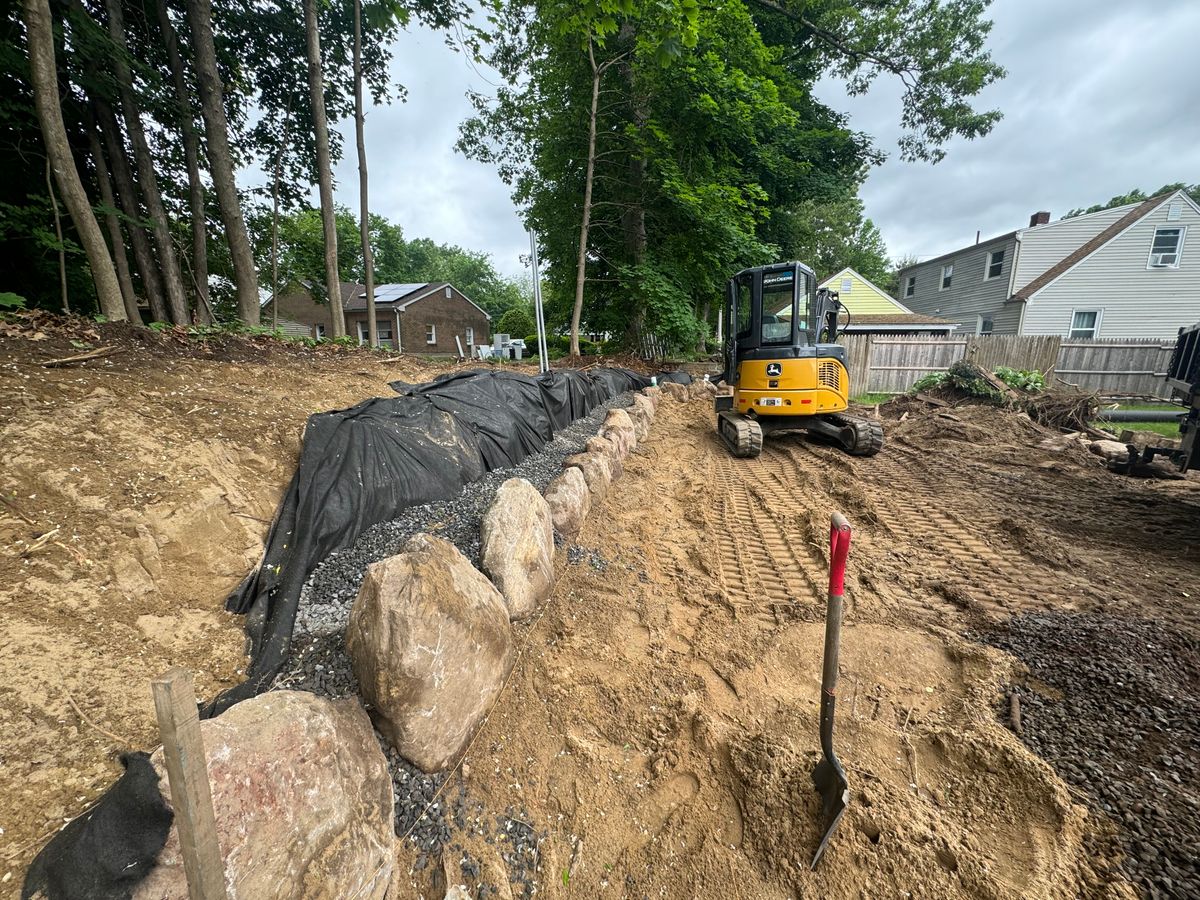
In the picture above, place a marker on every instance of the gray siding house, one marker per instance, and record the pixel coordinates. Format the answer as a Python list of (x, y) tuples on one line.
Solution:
[(1124, 272)]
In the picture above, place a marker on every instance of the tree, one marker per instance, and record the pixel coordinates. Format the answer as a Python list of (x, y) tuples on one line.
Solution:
[(517, 321), (220, 159), (172, 278), (1137, 196), (364, 214), (316, 91), (830, 236), (44, 76)]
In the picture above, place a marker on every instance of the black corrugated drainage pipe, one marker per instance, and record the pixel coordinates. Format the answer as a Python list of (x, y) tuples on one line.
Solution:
[(1140, 415)]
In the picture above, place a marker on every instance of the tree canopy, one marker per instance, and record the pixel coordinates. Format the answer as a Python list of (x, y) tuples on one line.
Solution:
[(1137, 196)]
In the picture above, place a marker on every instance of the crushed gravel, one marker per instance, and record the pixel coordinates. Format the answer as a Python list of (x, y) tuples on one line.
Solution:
[(319, 662), (1114, 705)]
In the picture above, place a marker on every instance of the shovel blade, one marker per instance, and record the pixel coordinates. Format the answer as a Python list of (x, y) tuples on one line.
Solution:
[(830, 781)]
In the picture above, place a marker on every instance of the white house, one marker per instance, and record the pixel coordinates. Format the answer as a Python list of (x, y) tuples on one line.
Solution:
[(1130, 271)]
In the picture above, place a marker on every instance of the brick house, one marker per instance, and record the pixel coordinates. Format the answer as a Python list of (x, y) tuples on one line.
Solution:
[(427, 317)]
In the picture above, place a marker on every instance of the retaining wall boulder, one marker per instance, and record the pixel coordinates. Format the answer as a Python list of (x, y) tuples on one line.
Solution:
[(676, 391), (302, 798), (641, 422), (701, 389), (570, 501), (517, 547), (653, 394), (609, 449), (596, 469), (431, 645), (618, 428)]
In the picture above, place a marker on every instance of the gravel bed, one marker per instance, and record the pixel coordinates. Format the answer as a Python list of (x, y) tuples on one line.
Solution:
[(1120, 723), (319, 662)]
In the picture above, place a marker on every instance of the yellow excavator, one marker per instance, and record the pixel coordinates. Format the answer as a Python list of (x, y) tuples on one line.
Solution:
[(783, 365)]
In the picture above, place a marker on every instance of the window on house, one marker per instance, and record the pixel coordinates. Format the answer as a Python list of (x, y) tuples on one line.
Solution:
[(384, 330), (847, 284), (910, 286), (447, 292), (362, 332), (1174, 211), (994, 265), (470, 337), (984, 325), (1085, 323), (947, 276), (431, 334), (320, 331), (1164, 251)]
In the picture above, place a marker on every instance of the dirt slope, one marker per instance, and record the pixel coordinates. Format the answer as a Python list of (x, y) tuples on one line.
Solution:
[(155, 472), (660, 728)]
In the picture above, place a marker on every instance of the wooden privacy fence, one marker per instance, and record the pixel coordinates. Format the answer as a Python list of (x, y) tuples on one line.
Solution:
[(887, 364)]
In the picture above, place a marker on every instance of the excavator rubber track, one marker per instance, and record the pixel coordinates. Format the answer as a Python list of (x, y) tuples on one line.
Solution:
[(743, 436), (868, 434)]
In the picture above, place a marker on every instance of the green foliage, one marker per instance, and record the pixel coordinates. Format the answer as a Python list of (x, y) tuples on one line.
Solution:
[(517, 321), (1031, 382), (930, 382), (10, 301), (829, 236), (1137, 196)]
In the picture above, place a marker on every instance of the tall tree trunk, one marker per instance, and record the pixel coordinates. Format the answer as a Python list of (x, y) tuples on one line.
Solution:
[(172, 278), (220, 159), (127, 194), (113, 225), (316, 92), (364, 213), (275, 231), (62, 249), (40, 36), (586, 218), (634, 216), (191, 156)]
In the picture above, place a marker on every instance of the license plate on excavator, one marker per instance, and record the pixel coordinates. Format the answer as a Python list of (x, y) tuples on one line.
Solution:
[(770, 401)]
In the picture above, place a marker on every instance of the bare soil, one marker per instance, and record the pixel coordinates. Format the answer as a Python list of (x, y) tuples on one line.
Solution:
[(659, 731)]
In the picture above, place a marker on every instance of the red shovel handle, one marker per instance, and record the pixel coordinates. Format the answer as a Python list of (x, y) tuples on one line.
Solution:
[(839, 549)]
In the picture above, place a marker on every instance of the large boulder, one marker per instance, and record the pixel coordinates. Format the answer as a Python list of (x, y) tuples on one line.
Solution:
[(431, 646), (570, 501), (653, 394), (700, 389), (644, 403), (676, 391), (1112, 451), (618, 428), (596, 469), (641, 422), (302, 799), (517, 547), (607, 448)]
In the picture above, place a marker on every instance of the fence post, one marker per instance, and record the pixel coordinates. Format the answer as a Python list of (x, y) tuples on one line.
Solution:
[(187, 775)]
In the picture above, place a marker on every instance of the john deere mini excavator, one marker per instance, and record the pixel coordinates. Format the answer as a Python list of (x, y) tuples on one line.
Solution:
[(786, 372)]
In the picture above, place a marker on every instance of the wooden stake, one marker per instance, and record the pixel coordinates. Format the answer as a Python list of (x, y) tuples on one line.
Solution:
[(187, 774)]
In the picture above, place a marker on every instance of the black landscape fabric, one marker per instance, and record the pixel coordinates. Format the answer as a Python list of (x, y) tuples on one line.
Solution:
[(363, 465)]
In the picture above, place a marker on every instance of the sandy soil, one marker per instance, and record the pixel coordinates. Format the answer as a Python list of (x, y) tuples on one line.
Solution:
[(661, 726), (154, 472)]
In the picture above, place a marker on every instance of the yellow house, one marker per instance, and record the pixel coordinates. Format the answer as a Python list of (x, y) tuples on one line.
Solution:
[(874, 311), (860, 296)]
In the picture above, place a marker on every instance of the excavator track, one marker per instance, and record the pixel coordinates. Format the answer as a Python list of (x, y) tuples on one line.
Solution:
[(743, 436), (868, 434)]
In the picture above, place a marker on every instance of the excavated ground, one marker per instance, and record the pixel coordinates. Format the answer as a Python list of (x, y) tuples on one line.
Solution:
[(657, 736)]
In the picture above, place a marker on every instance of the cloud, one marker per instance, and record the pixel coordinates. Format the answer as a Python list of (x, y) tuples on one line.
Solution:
[(1099, 100)]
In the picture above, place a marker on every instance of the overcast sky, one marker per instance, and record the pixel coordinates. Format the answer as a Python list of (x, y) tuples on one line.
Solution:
[(1100, 98)]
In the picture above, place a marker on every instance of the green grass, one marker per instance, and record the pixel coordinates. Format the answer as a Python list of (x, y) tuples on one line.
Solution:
[(1166, 429), (871, 399)]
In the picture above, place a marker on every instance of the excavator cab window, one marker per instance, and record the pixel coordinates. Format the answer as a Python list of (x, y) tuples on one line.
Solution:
[(743, 305)]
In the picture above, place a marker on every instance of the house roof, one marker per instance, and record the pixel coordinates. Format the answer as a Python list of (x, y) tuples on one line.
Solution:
[(900, 319), (1077, 256), (874, 287), (1007, 236), (356, 299)]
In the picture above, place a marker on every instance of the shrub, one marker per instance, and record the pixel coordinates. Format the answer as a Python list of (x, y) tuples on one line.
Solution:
[(1031, 382), (9, 300), (517, 320)]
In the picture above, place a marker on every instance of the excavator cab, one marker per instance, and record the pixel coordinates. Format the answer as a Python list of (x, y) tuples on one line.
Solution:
[(786, 371)]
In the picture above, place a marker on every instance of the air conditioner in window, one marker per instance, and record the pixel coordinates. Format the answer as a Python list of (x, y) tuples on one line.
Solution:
[(1163, 260)]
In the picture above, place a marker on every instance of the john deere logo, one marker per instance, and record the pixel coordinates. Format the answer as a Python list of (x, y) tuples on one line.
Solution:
[(774, 369)]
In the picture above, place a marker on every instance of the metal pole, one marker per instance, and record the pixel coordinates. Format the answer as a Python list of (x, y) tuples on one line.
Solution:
[(543, 352)]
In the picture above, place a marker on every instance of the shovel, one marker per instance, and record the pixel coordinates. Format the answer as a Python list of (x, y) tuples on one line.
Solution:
[(829, 777)]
